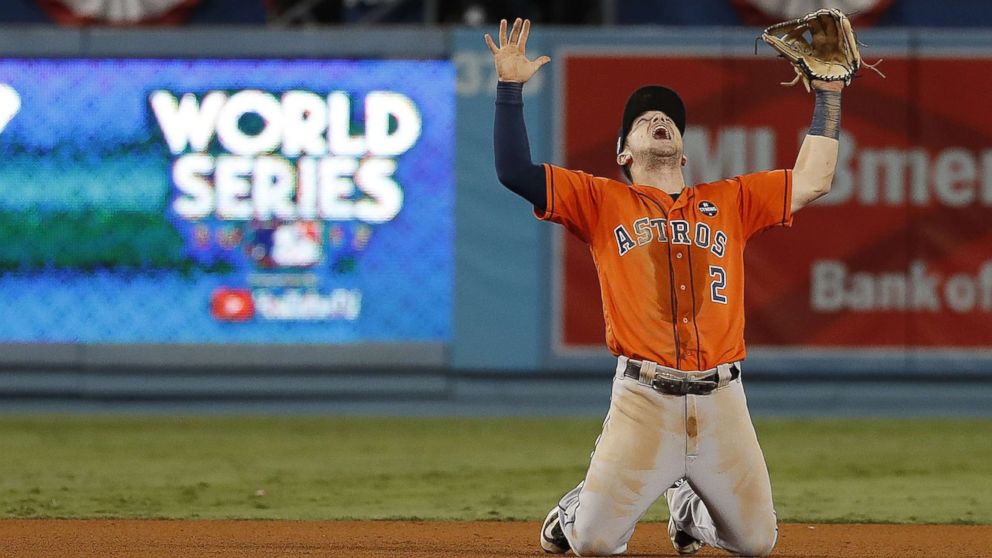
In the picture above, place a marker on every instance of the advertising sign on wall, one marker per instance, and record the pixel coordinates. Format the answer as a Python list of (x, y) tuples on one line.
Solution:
[(215, 201), (897, 256)]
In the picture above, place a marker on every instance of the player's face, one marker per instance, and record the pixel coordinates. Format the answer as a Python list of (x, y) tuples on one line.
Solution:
[(655, 134)]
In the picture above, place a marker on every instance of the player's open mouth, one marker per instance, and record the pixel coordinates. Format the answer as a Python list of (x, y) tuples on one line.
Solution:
[(661, 132)]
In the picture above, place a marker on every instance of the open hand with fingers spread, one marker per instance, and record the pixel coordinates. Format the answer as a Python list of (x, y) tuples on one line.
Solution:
[(511, 59)]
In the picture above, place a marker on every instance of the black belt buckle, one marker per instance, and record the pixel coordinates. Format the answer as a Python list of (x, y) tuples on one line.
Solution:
[(671, 386), (664, 385), (683, 386)]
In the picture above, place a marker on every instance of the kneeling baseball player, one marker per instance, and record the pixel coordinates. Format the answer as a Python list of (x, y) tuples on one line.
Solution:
[(669, 256)]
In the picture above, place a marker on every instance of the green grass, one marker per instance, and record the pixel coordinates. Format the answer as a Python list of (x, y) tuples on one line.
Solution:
[(336, 468)]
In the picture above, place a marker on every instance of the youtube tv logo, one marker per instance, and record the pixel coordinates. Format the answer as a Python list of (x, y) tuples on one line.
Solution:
[(232, 305)]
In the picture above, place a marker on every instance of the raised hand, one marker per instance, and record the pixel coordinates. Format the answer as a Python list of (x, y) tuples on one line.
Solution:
[(510, 57)]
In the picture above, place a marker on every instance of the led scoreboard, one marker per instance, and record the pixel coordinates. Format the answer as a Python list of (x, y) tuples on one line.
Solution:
[(219, 201)]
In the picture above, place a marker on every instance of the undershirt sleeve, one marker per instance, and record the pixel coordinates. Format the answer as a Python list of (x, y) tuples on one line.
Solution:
[(514, 167)]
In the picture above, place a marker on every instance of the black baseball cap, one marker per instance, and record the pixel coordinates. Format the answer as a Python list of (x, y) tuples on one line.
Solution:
[(644, 99)]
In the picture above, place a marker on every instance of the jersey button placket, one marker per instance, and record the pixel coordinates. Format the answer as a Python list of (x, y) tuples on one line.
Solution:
[(682, 295), (686, 325)]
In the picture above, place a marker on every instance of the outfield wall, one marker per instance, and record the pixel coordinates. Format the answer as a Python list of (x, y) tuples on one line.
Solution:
[(888, 275)]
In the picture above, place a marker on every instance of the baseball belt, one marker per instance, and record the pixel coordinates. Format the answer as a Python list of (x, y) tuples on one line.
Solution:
[(676, 382)]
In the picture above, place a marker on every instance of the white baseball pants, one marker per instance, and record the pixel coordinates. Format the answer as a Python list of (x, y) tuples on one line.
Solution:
[(649, 441)]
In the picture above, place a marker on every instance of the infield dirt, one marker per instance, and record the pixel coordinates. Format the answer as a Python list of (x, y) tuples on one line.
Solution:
[(413, 539)]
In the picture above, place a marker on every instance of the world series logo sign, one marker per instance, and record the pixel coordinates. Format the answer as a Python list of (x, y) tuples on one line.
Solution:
[(239, 200), (271, 168), (255, 175)]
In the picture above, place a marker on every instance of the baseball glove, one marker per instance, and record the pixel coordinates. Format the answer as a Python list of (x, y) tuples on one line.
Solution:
[(831, 54)]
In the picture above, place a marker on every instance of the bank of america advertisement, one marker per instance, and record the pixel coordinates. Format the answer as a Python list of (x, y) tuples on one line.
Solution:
[(226, 201)]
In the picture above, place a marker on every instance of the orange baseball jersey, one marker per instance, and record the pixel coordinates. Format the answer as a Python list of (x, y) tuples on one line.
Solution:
[(671, 273)]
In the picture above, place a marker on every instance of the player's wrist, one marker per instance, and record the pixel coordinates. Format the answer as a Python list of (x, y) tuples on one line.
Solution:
[(826, 114), (820, 85), (510, 92)]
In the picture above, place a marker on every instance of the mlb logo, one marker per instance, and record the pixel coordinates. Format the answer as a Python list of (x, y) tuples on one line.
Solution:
[(296, 244), (232, 305)]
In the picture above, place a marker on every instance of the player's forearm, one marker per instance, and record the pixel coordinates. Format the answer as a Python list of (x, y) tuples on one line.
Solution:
[(814, 169), (514, 167)]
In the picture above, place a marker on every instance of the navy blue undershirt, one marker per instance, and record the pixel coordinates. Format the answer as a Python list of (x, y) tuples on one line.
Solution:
[(514, 167)]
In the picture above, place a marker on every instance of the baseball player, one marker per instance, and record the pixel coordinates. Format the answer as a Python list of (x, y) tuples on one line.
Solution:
[(669, 256)]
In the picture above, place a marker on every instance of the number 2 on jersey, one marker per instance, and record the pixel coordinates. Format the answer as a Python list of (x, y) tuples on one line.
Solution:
[(716, 287)]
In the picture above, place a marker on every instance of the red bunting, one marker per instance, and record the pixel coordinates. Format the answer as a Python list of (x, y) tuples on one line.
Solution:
[(118, 12), (761, 13)]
